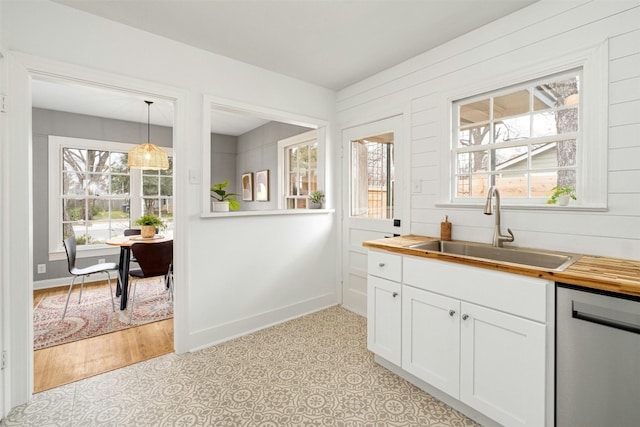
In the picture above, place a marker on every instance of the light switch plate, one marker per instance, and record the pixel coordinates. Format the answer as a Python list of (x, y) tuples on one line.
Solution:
[(194, 176)]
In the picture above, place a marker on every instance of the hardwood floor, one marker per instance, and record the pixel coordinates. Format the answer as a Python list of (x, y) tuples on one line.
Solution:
[(66, 363)]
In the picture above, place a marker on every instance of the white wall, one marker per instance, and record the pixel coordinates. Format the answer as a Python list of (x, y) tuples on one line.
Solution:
[(232, 274), (545, 31)]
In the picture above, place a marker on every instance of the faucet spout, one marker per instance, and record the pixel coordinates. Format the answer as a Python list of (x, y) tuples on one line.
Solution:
[(498, 237)]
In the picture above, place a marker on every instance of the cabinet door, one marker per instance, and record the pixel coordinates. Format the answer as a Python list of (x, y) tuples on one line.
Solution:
[(502, 366), (384, 311), (431, 338)]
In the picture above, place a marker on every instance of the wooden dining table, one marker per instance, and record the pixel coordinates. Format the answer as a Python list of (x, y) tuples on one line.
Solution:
[(125, 243)]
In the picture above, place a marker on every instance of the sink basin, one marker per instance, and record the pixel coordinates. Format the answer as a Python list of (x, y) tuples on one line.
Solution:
[(536, 258), (433, 245)]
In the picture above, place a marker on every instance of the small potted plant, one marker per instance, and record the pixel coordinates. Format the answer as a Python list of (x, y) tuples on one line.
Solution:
[(149, 224), (561, 195), (315, 199), (223, 201)]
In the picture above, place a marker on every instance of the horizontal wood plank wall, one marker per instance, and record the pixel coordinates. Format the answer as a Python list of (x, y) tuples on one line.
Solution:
[(489, 57)]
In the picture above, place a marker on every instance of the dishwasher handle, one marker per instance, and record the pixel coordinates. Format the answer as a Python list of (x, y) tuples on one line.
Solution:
[(606, 316)]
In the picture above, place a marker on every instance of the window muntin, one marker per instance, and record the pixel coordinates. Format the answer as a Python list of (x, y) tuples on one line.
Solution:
[(524, 139), (373, 177), (94, 195), (91, 210), (157, 193), (301, 172)]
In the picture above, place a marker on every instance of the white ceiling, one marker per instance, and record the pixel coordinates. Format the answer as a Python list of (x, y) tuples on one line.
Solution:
[(330, 43)]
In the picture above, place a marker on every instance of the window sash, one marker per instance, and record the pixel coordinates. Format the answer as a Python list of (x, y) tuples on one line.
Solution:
[(484, 152), (298, 180), (111, 199)]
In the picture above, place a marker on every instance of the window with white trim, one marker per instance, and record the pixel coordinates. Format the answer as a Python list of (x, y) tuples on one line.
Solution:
[(298, 160), (94, 195), (524, 139)]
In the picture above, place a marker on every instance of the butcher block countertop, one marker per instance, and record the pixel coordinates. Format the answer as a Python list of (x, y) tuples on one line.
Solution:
[(608, 274)]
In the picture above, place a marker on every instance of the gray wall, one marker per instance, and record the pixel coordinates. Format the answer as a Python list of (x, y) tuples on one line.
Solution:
[(258, 150), (224, 150), (49, 122)]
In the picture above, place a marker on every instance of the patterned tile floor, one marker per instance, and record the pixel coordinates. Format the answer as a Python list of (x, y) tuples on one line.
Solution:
[(311, 371)]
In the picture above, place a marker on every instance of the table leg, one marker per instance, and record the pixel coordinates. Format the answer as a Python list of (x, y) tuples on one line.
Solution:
[(120, 270), (124, 292)]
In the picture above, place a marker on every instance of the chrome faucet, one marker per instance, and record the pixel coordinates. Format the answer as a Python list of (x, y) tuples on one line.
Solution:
[(498, 238)]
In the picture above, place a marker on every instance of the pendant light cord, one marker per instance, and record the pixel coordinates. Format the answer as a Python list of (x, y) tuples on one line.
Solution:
[(149, 121)]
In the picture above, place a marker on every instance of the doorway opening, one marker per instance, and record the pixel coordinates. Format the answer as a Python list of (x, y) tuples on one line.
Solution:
[(73, 109)]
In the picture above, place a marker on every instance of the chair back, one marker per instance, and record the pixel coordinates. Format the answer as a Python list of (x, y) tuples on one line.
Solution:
[(154, 259), (70, 248), (135, 231)]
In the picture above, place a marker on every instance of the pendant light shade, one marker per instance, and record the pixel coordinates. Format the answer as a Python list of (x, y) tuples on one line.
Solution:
[(147, 155)]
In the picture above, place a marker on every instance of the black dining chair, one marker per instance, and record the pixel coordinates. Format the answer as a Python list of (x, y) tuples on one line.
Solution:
[(168, 279), (131, 231), (70, 247), (134, 232), (154, 259)]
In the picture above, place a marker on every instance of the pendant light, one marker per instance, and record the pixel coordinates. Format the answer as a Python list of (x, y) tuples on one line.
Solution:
[(147, 155)]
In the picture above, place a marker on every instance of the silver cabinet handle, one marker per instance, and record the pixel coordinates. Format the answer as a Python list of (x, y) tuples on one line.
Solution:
[(395, 294), (381, 264), (452, 312), (465, 316)]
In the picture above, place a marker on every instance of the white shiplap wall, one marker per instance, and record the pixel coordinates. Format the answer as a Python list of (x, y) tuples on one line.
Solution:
[(498, 55)]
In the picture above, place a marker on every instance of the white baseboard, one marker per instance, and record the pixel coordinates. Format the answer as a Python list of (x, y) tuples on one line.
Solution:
[(65, 281), (230, 330)]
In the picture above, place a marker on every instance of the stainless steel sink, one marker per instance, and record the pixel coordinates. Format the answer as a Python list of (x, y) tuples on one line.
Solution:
[(433, 245), (536, 258)]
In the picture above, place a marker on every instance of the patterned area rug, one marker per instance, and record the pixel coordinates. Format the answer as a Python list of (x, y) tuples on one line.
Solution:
[(94, 315)]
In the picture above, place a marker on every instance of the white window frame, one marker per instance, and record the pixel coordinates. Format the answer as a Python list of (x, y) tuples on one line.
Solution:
[(528, 142), (283, 176), (591, 160), (55, 146)]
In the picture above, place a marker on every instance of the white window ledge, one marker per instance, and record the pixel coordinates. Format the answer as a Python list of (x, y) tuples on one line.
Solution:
[(266, 213), (549, 208)]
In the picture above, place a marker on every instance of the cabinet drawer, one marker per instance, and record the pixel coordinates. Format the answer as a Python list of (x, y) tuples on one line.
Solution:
[(385, 265)]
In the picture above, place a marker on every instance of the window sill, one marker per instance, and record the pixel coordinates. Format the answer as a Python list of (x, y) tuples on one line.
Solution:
[(266, 213), (512, 207)]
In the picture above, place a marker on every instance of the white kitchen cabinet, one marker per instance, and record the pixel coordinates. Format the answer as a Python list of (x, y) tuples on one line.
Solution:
[(384, 311), (478, 335), (431, 337), (384, 305), (492, 361), (502, 366)]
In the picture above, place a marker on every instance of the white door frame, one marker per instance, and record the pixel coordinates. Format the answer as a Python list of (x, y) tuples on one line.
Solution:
[(4, 229), (355, 300), (18, 256)]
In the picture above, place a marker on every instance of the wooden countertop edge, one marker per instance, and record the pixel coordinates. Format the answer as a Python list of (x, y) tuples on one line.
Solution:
[(589, 271)]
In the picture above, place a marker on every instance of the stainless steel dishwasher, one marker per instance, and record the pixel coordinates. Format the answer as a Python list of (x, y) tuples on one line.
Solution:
[(597, 358)]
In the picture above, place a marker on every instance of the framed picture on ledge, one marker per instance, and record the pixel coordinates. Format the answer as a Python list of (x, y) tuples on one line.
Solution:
[(247, 186), (262, 186)]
